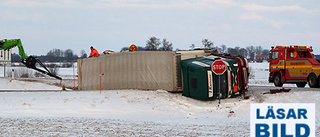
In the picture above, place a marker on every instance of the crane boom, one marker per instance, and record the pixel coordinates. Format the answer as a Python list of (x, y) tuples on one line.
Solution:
[(31, 61)]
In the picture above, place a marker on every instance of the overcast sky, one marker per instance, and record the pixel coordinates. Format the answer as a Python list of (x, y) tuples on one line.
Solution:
[(112, 24)]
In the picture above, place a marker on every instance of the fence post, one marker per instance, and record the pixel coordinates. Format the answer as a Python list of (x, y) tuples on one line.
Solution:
[(12, 74), (100, 75)]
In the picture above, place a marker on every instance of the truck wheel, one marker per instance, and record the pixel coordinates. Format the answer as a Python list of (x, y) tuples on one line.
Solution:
[(277, 80), (313, 81), (319, 81), (301, 84)]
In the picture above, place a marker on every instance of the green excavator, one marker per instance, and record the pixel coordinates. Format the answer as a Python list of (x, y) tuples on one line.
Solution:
[(29, 62)]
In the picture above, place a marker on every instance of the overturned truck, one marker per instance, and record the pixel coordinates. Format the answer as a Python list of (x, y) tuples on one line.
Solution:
[(153, 70), (205, 79)]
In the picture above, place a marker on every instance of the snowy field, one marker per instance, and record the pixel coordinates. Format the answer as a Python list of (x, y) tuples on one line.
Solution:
[(8, 71), (51, 112)]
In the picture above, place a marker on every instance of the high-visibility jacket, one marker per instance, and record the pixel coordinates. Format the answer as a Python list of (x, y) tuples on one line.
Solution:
[(94, 53)]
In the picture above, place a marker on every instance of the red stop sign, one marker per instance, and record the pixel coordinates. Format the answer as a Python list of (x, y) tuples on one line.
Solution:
[(218, 67)]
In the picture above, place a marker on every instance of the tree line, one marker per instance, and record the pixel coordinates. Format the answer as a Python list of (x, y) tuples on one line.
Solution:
[(250, 52), (55, 55), (156, 44)]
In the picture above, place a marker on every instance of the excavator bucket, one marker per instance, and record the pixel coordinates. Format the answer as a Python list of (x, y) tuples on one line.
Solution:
[(31, 61)]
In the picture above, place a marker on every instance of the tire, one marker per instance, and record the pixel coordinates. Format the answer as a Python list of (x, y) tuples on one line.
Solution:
[(319, 81), (313, 81), (277, 80), (301, 84)]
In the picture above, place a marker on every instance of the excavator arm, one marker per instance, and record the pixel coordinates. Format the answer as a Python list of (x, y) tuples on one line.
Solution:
[(31, 61), (8, 44)]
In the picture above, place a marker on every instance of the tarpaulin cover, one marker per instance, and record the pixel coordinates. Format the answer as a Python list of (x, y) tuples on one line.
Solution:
[(146, 70)]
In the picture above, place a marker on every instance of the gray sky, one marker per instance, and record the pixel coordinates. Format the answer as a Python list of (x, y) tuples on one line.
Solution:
[(112, 24)]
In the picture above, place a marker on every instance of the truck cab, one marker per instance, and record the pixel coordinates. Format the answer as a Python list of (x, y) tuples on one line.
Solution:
[(294, 64)]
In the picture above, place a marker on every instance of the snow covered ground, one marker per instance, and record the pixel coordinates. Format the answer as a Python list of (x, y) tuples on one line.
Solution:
[(52, 112), (18, 70)]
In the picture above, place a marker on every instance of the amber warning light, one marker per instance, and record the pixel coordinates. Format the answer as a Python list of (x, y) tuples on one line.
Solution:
[(133, 47)]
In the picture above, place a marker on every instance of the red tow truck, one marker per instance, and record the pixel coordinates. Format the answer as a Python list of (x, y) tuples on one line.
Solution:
[(294, 64)]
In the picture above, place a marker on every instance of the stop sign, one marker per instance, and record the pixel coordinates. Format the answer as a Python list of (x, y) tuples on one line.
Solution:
[(218, 67)]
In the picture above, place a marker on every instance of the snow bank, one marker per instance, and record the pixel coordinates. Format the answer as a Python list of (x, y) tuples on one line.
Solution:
[(8, 84), (159, 108), (133, 105)]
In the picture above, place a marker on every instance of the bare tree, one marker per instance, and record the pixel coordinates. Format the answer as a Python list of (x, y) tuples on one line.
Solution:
[(166, 45), (83, 54), (223, 48), (54, 70), (192, 46), (258, 50), (68, 53), (69, 56), (243, 52), (267, 53), (207, 44), (232, 51), (217, 50), (237, 50), (251, 51), (153, 44), (55, 53)]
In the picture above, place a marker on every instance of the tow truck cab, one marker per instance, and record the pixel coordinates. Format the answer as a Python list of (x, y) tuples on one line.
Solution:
[(294, 64)]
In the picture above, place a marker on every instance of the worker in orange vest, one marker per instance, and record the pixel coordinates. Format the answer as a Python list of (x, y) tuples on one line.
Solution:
[(94, 52)]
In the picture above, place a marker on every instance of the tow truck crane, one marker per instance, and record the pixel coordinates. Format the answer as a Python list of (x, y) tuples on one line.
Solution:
[(294, 64), (29, 62)]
